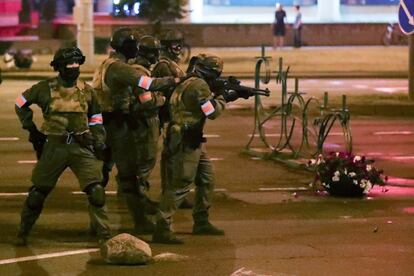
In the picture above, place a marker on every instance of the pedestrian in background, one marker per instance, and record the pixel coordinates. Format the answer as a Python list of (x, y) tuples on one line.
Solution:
[(297, 28), (279, 28)]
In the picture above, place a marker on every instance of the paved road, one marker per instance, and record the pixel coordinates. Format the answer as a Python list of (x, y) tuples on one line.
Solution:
[(291, 230)]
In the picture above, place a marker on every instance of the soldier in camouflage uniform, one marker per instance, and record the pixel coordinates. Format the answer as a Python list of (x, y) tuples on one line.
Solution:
[(171, 42), (148, 125), (71, 135), (191, 104), (123, 90)]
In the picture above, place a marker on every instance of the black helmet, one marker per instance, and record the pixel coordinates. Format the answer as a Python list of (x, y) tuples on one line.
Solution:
[(65, 56), (124, 41), (149, 48), (172, 42), (209, 66), (121, 36), (171, 36)]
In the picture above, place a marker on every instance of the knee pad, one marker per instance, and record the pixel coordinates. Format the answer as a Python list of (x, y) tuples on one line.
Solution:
[(96, 195), (36, 198)]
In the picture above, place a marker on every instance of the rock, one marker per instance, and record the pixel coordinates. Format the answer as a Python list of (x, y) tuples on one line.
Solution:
[(170, 257), (125, 249)]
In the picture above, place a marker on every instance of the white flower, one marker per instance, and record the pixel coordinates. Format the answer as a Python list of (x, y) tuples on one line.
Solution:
[(355, 182), (335, 179), (351, 174), (345, 171), (357, 158), (337, 154), (337, 173), (369, 167)]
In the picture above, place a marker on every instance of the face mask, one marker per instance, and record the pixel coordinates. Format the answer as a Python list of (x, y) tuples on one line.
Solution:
[(129, 49), (175, 48), (152, 57), (69, 74)]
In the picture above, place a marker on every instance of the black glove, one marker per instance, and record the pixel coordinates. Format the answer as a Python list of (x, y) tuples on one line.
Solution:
[(37, 139), (230, 95), (102, 152)]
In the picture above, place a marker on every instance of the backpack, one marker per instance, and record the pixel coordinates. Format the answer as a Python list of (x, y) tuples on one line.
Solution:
[(99, 85)]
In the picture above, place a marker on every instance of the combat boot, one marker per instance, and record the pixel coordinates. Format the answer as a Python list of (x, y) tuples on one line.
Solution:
[(144, 227), (163, 234), (21, 239), (166, 237), (206, 228)]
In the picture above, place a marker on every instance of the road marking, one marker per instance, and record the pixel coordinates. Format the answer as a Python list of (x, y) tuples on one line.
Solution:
[(399, 158), (47, 256), (360, 86), (404, 132), (215, 190), (390, 90), (14, 194), (266, 135), (106, 192), (335, 133), (211, 136), (27, 161), (283, 189), (216, 159), (9, 138), (336, 83)]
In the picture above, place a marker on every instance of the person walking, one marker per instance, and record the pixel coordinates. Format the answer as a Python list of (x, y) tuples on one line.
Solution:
[(279, 28), (72, 135), (297, 28)]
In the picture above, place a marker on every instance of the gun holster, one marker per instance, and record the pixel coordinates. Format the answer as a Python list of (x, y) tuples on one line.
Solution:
[(193, 136)]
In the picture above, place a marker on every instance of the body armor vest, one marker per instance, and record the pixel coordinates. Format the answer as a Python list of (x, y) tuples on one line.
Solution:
[(67, 109)]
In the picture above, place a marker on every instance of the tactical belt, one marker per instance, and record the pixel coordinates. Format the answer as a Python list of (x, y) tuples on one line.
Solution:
[(63, 139)]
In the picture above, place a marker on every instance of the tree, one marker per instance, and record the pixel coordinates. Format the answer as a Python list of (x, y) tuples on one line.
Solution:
[(158, 11)]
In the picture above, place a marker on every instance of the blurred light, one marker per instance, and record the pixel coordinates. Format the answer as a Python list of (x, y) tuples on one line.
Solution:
[(136, 8), (126, 7), (116, 2)]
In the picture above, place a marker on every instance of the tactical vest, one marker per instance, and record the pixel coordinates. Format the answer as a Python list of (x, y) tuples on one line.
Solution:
[(102, 90), (67, 110), (180, 114), (173, 66)]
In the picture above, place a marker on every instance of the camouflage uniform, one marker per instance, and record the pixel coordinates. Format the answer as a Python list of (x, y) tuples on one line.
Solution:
[(167, 67), (125, 97), (190, 104), (71, 116), (148, 129)]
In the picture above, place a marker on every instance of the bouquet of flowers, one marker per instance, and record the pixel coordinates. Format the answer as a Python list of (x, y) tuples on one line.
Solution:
[(345, 174)]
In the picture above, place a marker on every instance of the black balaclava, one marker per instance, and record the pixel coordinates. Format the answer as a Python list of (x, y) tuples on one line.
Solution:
[(129, 49), (68, 75)]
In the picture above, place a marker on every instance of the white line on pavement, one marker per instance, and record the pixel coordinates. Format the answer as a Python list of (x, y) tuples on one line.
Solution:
[(9, 138), (47, 256), (14, 194), (393, 133), (283, 189), (216, 159), (27, 161), (106, 192), (211, 135), (266, 134)]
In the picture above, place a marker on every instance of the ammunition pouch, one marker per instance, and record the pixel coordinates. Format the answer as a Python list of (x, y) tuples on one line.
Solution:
[(193, 135)]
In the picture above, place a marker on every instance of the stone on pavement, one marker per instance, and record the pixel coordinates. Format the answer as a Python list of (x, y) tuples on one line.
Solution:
[(125, 249)]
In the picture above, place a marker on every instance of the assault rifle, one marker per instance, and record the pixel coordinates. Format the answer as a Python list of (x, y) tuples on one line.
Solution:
[(223, 86)]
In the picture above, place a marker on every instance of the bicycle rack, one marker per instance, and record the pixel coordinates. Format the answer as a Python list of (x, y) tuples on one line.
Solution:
[(284, 149)]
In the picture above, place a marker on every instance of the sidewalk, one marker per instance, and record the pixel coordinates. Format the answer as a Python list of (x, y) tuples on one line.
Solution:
[(367, 62)]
